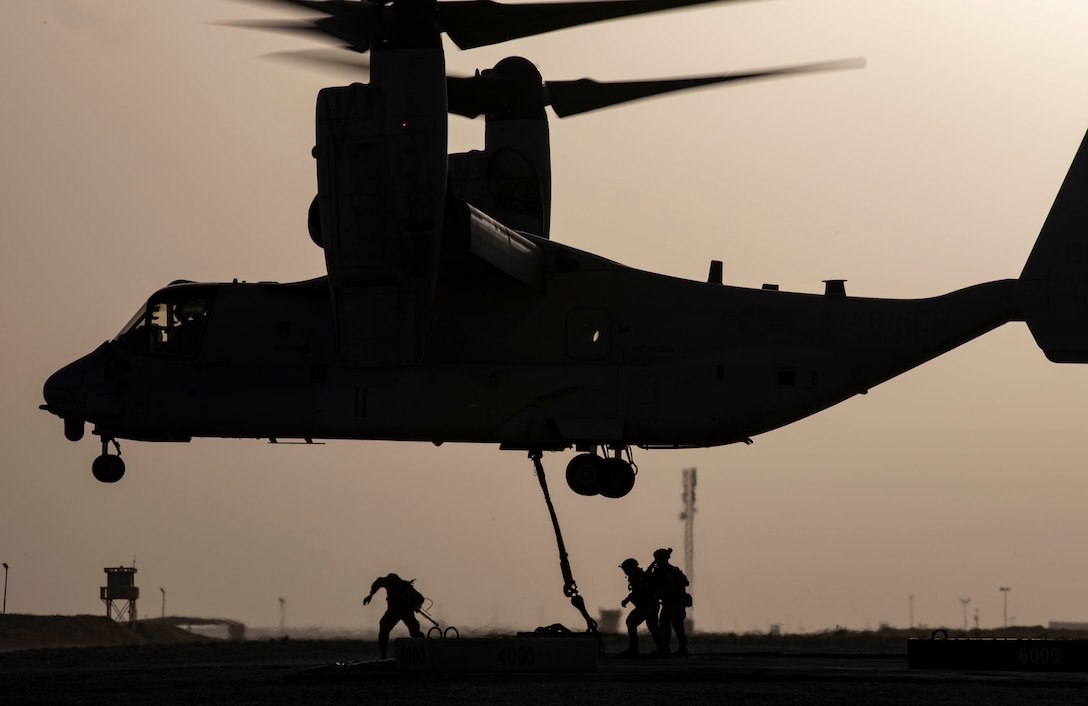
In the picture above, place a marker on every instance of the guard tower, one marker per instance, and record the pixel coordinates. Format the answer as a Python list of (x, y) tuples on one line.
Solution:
[(120, 594)]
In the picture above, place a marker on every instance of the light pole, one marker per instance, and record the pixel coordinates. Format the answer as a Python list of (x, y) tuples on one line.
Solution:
[(965, 601), (1005, 601), (283, 612), (5, 588), (163, 603)]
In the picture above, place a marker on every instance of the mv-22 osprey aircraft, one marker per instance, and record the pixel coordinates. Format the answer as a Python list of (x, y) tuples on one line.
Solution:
[(448, 314)]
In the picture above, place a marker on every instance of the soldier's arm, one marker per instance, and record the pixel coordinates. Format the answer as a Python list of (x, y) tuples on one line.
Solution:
[(378, 583)]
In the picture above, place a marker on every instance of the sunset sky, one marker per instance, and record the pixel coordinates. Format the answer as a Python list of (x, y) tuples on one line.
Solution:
[(143, 143)]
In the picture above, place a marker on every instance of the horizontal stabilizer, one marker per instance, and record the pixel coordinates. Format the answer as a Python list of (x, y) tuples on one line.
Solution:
[(1053, 288)]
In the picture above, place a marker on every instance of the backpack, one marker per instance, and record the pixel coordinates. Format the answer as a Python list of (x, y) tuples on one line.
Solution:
[(671, 582), (410, 595)]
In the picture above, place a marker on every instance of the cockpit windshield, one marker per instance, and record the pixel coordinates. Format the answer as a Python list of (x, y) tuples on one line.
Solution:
[(172, 323)]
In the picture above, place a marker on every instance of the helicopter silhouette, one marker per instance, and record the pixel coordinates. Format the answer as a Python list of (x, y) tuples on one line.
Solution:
[(447, 313)]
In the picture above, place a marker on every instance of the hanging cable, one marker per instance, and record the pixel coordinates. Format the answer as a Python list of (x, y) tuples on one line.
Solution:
[(570, 587)]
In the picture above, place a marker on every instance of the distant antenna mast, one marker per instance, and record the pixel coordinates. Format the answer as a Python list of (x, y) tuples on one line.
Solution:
[(688, 516)]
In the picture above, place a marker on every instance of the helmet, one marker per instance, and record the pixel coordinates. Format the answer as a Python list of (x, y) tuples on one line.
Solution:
[(663, 554), (192, 306), (189, 310), (629, 564)]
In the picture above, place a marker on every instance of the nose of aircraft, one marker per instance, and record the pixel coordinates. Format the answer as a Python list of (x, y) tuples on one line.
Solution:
[(64, 391)]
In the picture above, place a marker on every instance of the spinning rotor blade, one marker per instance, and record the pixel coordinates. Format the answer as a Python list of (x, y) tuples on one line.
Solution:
[(354, 23), (468, 23), (514, 87), (584, 95), (478, 23), (330, 58)]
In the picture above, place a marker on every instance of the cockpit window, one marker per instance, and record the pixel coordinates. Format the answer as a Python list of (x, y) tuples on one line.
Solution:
[(134, 335), (168, 326)]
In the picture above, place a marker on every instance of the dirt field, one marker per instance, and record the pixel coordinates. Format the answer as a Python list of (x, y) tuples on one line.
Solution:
[(834, 668)]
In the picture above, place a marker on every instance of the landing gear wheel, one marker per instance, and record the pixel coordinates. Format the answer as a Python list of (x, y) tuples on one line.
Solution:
[(584, 474), (618, 478), (108, 469)]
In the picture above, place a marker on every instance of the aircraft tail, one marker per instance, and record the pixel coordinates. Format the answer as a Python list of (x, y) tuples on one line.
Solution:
[(1053, 288)]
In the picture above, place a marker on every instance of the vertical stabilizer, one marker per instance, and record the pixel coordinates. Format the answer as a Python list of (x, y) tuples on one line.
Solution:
[(1053, 288)]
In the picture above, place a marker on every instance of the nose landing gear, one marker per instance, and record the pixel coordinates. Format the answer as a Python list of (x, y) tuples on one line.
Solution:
[(107, 468), (610, 476)]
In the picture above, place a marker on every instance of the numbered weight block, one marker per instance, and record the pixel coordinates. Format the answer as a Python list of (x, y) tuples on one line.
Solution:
[(486, 654), (998, 654)]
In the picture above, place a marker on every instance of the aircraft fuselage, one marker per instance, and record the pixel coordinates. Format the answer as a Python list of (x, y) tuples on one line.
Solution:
[(602, 354)]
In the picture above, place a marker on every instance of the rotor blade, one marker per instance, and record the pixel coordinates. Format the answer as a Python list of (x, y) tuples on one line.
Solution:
[(353, 65), (311, 4), (583, 95), (354, 23), (477, 23)]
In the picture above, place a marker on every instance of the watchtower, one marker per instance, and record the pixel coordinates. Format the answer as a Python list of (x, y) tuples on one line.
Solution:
[(120, 594)]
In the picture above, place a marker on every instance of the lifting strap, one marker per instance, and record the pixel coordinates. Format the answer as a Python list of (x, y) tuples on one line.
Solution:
[(570, 588)]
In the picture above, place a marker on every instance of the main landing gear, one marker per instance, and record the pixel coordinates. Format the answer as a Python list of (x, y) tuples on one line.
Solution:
[(610, 476), (107, 468)]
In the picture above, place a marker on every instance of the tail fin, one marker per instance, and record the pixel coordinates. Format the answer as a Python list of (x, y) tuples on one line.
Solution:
[(1053, 288)]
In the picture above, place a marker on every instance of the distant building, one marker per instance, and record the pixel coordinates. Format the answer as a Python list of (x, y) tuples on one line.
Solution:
[(1059, 625), (610, 621)]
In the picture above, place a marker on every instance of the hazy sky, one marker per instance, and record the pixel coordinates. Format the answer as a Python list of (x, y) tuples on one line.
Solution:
[(141, 144)]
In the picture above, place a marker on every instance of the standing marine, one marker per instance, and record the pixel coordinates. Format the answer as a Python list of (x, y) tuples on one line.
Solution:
[(672, 586), (402, 600), (643, 596)]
